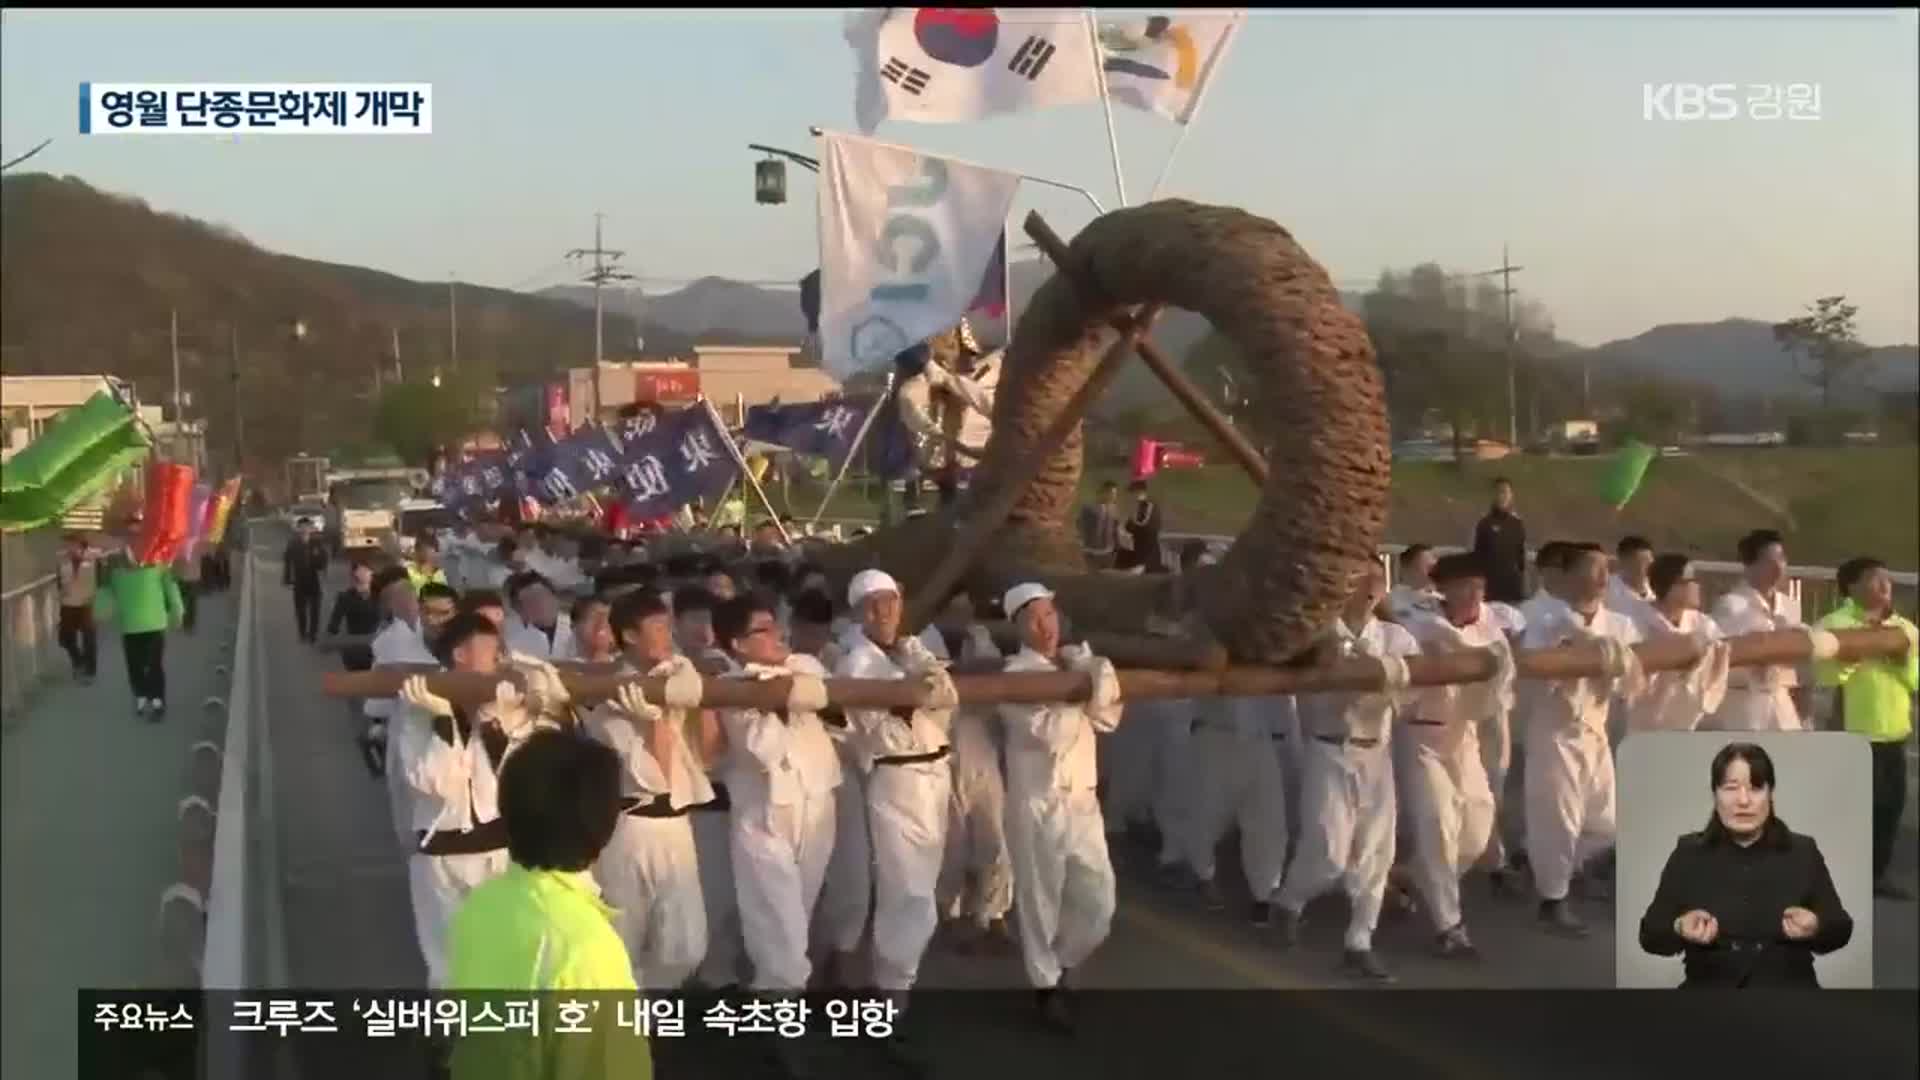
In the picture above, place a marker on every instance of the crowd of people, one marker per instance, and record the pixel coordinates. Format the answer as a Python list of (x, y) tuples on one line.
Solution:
[(771, 848)]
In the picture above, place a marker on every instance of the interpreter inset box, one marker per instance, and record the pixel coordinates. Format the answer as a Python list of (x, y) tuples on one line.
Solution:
[(1744, 860)]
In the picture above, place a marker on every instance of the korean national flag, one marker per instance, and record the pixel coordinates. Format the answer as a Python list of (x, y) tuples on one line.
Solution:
[(954, 65)]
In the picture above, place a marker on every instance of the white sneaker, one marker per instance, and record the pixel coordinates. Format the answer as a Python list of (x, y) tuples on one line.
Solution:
[(140, 706)]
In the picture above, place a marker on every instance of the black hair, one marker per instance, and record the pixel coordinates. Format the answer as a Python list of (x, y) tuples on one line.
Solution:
[(1499, 480), (459, 630), (1457, 567), (523, 580), (507, 546), (813, 606), (1755, 543), (1630, 544), (732, 617), (1760, 774), (1413, 553), (386, 576), (772, 575), (683, 566), (689, 598), (434, 588), (560, 799), (1137, 485), (1551, 556), (473, 600), (582, 603), (635, 607), (1853, 570), (426, 540), (1191, 552), (1667, 572)]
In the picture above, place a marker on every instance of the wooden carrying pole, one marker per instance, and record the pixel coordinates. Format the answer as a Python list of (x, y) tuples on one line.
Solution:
[(1176, 382), (589, 684)]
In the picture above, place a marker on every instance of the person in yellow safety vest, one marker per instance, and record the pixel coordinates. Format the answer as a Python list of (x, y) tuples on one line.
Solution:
[(1876, 701), (542, 926), (423, 566)]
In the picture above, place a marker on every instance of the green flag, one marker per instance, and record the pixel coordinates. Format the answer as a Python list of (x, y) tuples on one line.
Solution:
[(81, 451), (1623, 476)]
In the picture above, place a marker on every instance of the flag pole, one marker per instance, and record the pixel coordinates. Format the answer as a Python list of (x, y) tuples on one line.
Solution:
[(1106, 106), (746, 474), (859, 440), (1193, 114), (1006, 286)]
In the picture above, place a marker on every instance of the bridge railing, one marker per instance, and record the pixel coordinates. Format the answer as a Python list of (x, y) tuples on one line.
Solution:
[(29, 615)]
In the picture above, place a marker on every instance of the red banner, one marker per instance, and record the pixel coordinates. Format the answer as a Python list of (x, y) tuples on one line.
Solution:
[(164, 525), (665, 387)]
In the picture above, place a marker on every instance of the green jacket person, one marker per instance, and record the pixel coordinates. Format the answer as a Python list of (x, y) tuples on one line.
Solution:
[(542, 927)]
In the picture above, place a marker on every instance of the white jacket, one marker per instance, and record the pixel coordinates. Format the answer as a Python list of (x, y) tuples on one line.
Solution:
[(1050, 748), (772, 762), (1583, 702), (1359, 715), (878, 733), (1459, 709), (642, 777)]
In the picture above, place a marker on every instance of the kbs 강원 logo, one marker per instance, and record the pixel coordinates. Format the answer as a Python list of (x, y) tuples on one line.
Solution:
[(1724, 101)]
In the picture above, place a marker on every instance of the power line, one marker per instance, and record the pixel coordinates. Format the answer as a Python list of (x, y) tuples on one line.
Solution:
[(603, 271)]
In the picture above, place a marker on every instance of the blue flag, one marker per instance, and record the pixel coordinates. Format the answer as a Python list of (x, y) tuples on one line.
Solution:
[(818, 429), (671, 461)]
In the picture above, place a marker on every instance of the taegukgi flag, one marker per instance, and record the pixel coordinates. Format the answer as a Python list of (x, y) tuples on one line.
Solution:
[(905, 240), (1162, 63), (951, 65)]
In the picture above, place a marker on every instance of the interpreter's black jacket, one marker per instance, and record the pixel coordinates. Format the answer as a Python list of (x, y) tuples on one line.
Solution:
[(1746, 890), (1500, 546)]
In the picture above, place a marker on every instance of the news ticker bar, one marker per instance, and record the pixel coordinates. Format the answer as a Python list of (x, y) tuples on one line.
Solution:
[(256, 108)]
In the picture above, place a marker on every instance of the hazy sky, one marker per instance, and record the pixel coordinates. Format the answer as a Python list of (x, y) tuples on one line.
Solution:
[(1380, 139)]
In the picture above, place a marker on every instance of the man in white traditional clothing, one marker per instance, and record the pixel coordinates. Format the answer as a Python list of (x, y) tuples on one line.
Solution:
[(649, 871), (976, 878), (1414, 591), (1450, 798), (905, 754), (1677, 700), (450, 761), (400, 642), (1062, 878), (781, 773), (1347, 805), (1237, 748), (1759, 698), (1570, 798), (536, 626)]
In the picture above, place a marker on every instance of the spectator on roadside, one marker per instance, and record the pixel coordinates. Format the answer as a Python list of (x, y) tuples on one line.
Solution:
[(1500, 543), (302, 567), (1876, 701), (79, 575), (1139, 537), (1100, 527)]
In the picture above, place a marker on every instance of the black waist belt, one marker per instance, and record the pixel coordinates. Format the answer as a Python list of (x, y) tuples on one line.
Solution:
[(482, 838), (720, 803), (660, 806), (1428, 723), (1343, 740), (914, 759)]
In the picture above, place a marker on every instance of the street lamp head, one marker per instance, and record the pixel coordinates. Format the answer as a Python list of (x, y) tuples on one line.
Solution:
[(436, 380), (770, 182), (299, 330)]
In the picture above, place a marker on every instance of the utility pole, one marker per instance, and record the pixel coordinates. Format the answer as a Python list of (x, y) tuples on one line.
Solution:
[(603, 271), (239, 419), (453, 329), (173, 342)]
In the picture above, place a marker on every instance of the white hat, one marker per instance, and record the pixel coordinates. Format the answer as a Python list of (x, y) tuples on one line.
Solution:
[(1021, 595), (867, 582)]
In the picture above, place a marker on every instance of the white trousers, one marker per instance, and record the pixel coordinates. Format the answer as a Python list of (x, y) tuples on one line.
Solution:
[(713, 847), (1452, 813), (1347, 815), (438, 884), (976, 875), (840, 920), (1570, 803), (1062, 880), (907, 814), (1241, 784), (780, 857), (1494, 733), (650, 874), (1175, 782), (1752, 709), (1126, 764)]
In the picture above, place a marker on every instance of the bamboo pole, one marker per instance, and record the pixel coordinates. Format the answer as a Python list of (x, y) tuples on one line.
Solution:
[(593, 683), (1170, 374)]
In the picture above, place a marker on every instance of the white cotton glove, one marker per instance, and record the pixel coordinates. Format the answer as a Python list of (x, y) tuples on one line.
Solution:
[(508, 711), (632, 701), (415, 693), (1078, 657), (546, 693), (941, 693), (808, 694), (684, 684), (914, 655)]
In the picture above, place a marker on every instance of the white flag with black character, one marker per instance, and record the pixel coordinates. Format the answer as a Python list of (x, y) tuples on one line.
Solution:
[(1163, 63), (952, 65), (905, 239)]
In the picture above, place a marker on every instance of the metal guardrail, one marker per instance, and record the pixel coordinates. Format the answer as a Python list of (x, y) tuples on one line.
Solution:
[(227, 964), (29, 616)]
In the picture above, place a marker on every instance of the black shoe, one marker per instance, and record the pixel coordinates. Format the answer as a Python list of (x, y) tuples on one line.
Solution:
[(1289, 925), (1055, 1011), (1210, 897), (1365, 965), (1503, 884), (1887, 890), (1261, 915), (1560, 919)]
